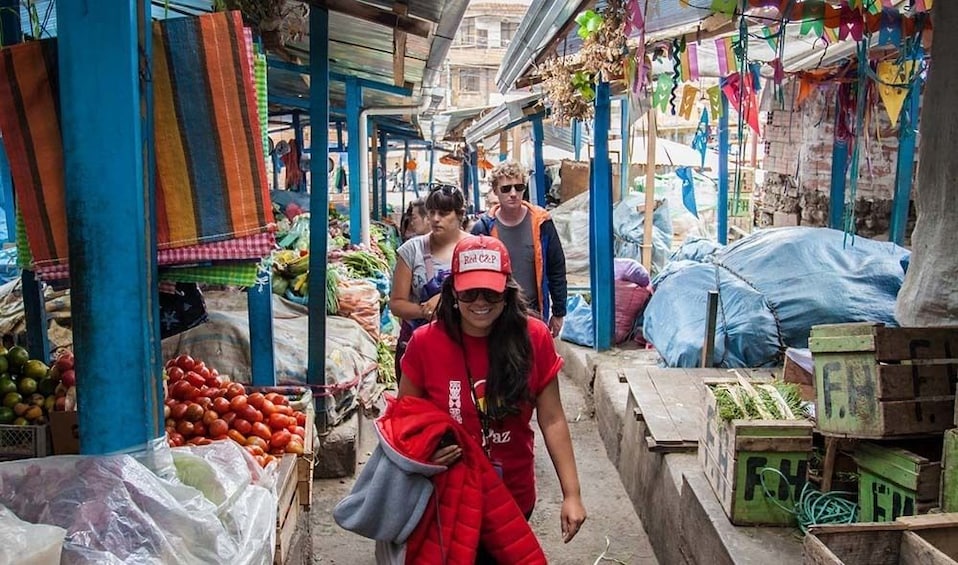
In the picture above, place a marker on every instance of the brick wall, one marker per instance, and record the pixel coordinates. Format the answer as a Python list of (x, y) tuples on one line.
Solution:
[(798, 162)]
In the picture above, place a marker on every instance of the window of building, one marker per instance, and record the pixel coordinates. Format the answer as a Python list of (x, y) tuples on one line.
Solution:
[(467, 32), (507, 31), (469, 80), (482, 38)]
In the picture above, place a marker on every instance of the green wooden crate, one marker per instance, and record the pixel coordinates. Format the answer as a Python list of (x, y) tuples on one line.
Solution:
[(877, 382), (949, 472), (737, 455), (894, 482)]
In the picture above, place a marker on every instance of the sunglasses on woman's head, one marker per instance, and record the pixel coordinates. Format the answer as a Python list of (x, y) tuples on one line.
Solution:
[(507, 188), (489, 296), (446, 189)]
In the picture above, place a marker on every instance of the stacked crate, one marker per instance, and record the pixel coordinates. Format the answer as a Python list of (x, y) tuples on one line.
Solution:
[(885, 384)]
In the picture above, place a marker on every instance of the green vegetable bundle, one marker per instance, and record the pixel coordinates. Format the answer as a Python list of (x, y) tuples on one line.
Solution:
[(773, 401)]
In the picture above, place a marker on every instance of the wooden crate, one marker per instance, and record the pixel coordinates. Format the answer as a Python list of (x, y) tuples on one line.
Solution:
[(949, 472), (736, 454), (289, 509), (305, 462), (895, 482), (917, 540), (877, 382)]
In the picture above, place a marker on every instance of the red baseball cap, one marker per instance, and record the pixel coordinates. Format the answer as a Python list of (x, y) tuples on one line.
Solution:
[(480, 261)]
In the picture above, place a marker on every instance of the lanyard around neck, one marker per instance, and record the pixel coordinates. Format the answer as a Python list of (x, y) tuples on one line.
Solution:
[(480, 413)]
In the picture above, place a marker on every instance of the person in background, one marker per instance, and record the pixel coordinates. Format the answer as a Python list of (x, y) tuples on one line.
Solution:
[(423, 262), (491, 199), (394, 176), (414, 220), (489, 364), (532, 240)]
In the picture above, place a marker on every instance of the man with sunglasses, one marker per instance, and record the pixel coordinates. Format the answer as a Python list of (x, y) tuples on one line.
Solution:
[(529, 234)]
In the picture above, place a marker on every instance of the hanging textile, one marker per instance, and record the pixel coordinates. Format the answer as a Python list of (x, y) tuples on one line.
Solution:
[(294, 174), (210, 166)]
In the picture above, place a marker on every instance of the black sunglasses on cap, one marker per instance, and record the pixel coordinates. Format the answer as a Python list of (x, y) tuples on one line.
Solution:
[(490, 296), (507, 188)]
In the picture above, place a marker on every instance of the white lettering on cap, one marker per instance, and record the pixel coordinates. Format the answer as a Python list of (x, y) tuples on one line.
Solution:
[(480, 260)]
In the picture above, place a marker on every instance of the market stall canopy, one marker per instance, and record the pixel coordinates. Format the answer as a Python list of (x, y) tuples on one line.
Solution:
[(504, 117)]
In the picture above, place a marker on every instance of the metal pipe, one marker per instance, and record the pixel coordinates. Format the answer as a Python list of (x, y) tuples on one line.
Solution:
[(723, 173)]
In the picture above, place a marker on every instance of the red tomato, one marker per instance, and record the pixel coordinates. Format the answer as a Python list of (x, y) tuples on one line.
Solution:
[(215, 382), (175, 439), (242, 426), (300, 418), (181, 390), (267, 459), (257, 441), (256, 400), (178, 410), (199, 429), (205, 401), (217, 392), (218, 428), (201, 441), (202, 370), (277, 422), (195, 379), (194, 412), (238, 403), (254, 449), (221, 405), (235, 389), (276, 398), (262, 430), (284, 409), (229, 417), (295, 446), (298, 431), (175, 373), (279, 439), (260, 460), (268, 408), (185, 362), (236, 436), (210, 416), (185, 428), (252, 414)]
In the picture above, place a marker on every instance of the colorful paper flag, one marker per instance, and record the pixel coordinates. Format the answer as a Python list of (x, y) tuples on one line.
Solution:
[(662, 92), (893, 97), (724, 6), (689, 94), (701, 139), (813, 19), (690, 62), (727, 60), (715, 101)]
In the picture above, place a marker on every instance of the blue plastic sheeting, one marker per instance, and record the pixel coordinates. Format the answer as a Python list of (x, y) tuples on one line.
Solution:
[(577, 326), (628, 225), (773, 286), (696, 250)]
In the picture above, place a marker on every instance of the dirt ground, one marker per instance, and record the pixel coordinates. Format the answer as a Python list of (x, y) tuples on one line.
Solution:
[(612, 533)]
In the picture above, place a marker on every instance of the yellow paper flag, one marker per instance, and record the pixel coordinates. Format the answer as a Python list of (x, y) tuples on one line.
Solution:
[(893, 97), (688, 101)]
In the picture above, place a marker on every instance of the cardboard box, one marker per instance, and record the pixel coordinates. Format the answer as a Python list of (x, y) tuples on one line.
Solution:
[(65, 433)]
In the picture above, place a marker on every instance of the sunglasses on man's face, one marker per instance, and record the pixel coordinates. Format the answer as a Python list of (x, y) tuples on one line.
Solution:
[(490, 296), (507, 188)]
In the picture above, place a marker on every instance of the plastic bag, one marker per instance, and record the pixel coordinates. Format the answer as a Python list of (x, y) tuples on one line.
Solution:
[(359, 300), (23, 542), (577, 327), (630, 301), (630, 270)]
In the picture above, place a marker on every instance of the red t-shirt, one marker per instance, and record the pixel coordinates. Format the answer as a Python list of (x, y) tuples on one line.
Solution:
[(435, 363)]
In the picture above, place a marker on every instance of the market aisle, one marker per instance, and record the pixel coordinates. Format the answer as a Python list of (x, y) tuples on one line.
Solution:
[(610, 511)]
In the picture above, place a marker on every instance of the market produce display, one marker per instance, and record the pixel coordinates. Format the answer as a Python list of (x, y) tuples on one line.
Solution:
[(203, 406), (30, 390)]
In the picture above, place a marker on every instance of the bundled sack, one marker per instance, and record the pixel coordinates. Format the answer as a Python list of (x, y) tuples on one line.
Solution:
[(359, 300), (773, 286)]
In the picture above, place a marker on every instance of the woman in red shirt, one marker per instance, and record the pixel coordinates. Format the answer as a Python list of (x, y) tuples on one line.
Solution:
[(490, 365)]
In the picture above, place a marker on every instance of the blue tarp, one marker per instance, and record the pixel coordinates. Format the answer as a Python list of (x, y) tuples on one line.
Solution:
[(774, 285)]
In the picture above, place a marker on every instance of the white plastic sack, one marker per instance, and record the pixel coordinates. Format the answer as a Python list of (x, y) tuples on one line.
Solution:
[(24, 543)]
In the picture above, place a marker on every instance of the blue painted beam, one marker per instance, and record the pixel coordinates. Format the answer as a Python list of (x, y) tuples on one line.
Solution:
[(10, 30), (374, 211), (577, 138), (339, 135), (382, 177), (7, 200), (35, 312), (905, 167), (289, 101), (603, 290), (354, 103), (319, 205), (259, 304), (474, 180), (625, 130), (300, 145), (538, 161), (340, 77), (722, 204), (836, 193), (115, 300)]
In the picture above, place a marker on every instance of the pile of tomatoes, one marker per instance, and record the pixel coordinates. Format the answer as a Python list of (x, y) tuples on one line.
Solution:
[(203, 406)]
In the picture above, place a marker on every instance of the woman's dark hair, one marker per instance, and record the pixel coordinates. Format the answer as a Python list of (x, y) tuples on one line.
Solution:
[(446, 198), (509, 348), (416, 207)]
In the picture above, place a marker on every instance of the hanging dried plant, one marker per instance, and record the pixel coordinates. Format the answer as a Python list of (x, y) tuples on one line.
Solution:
[(568, 89), (277, 21), (604, 49)]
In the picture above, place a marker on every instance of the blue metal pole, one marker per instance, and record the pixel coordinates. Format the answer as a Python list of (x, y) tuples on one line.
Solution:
[(577, 138), (722, 204), (298, 136), (374, 209), (115, 295), (625, 133), (7, 200), (474, 180), (904, 171), (836, 193), (259, 304), (432, 150), (319, 201), (35, 312), (382, 177), (603, 291), (354, 103), (539, 164)]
